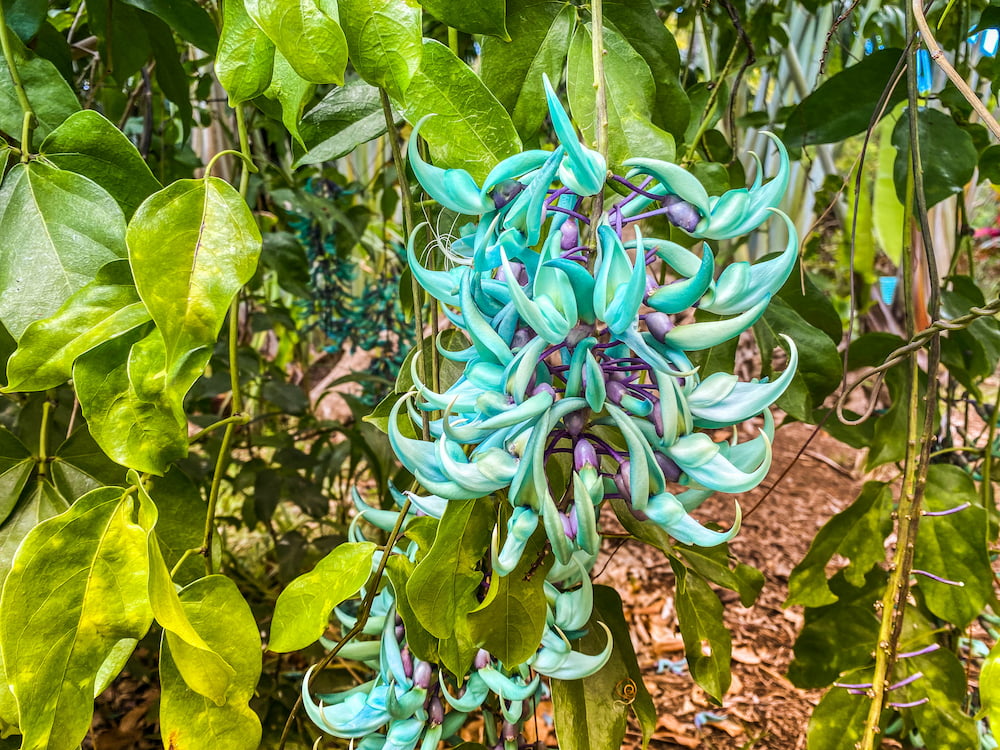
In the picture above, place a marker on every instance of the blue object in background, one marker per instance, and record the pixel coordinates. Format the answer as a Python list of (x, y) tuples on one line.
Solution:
[(887, 288), (925, 72)]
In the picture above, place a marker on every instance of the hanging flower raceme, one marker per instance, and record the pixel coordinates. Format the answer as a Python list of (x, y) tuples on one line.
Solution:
[(576, 389)]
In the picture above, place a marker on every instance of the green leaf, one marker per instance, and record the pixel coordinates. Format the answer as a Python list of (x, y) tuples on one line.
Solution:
[(16, 464), (383, 40), (590, 712), (856, 533), (125, 45), (79, 466), (306, 35), (345, 118), (469, 129), (105, 308), (88, 144), (953, 547), (989, 164), (302, 612), (708, 646), (95, 556), (41, 501), (941, 721), (25, 17), (947, 154), (631, 94), (190, 721), (813, 306), (540, 31), (424, 646), (187, 18), (50, 96), (485, 17), (443, 585), (181, 522), (989, 685), (638, 23), (291, 91), (820, 365), (887, 210), (192, 246), (839, 719), (170, 73), (62, 227), (510, 627), (136, 425), (713, 564), (843, 105), (245, 57)]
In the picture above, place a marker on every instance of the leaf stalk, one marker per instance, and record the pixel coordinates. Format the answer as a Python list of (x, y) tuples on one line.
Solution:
[(28, 123)]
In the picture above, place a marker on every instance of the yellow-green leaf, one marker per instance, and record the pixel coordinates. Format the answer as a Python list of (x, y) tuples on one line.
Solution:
[(306, 32)]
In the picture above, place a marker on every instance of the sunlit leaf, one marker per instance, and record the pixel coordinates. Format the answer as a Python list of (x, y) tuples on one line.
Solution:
[(245, 57), (302, 612), (384, 40), (107, 307), (57, 229), (306, 33), (345, 118), (94, 555), (189, 721), (16, 463), (291, 91)]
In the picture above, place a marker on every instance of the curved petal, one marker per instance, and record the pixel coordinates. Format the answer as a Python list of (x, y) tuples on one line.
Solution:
[(697, 336), (584, 170), (452, 188), (680, 295)]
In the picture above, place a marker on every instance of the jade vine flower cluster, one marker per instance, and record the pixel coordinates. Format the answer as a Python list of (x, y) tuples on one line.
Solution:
[(577, 388)]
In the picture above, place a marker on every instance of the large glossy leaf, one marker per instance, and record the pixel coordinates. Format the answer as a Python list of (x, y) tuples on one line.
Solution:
[(171, 76), (39, 502), (57, 229), (510, 627), (631, 94), (94, 555), (136, 424), (346, 117), (306, 33), (443, 585), (941, 720), (384, 41), (25, 17), (953, 547), (245, 57), (820, 365), (217, 611), (88, 144), (540, 31), (51, 97), (843, 105), (948, 155), (291, 92), (181, 522), (638, 23), (856, 533), (469, 128), (187, 18), (107, 307), (302, 611), (591, 712), (192, 246), (16, 464), (715, 564), (79, 466), (424, 646), (124, 38), (708, 645), (485, 17)]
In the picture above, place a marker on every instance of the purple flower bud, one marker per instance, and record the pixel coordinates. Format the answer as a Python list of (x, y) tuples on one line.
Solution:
[(570, 235), (584, 454), (681, 213), (578, 333), (671, 471), (616, 389), (659, 325), (435, 711), (657, 416), (569, 523), (622, 481), (651, 284), (543, 388), (483, 659), (422, 674), (505, 192), (576, 421), (399, 632), (407, 658), (508, 731), (521, 337)]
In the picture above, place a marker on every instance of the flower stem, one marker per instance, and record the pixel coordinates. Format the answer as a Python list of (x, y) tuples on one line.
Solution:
[(601, 107), (43, 439), (28, 123)]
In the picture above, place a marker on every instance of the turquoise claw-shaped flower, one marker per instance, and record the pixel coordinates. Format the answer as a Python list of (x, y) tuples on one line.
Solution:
[(669, 513), (704, 462), (618, 284), (694, 337), (584, 170), (557, 660), (520, 526), (452, 188)]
